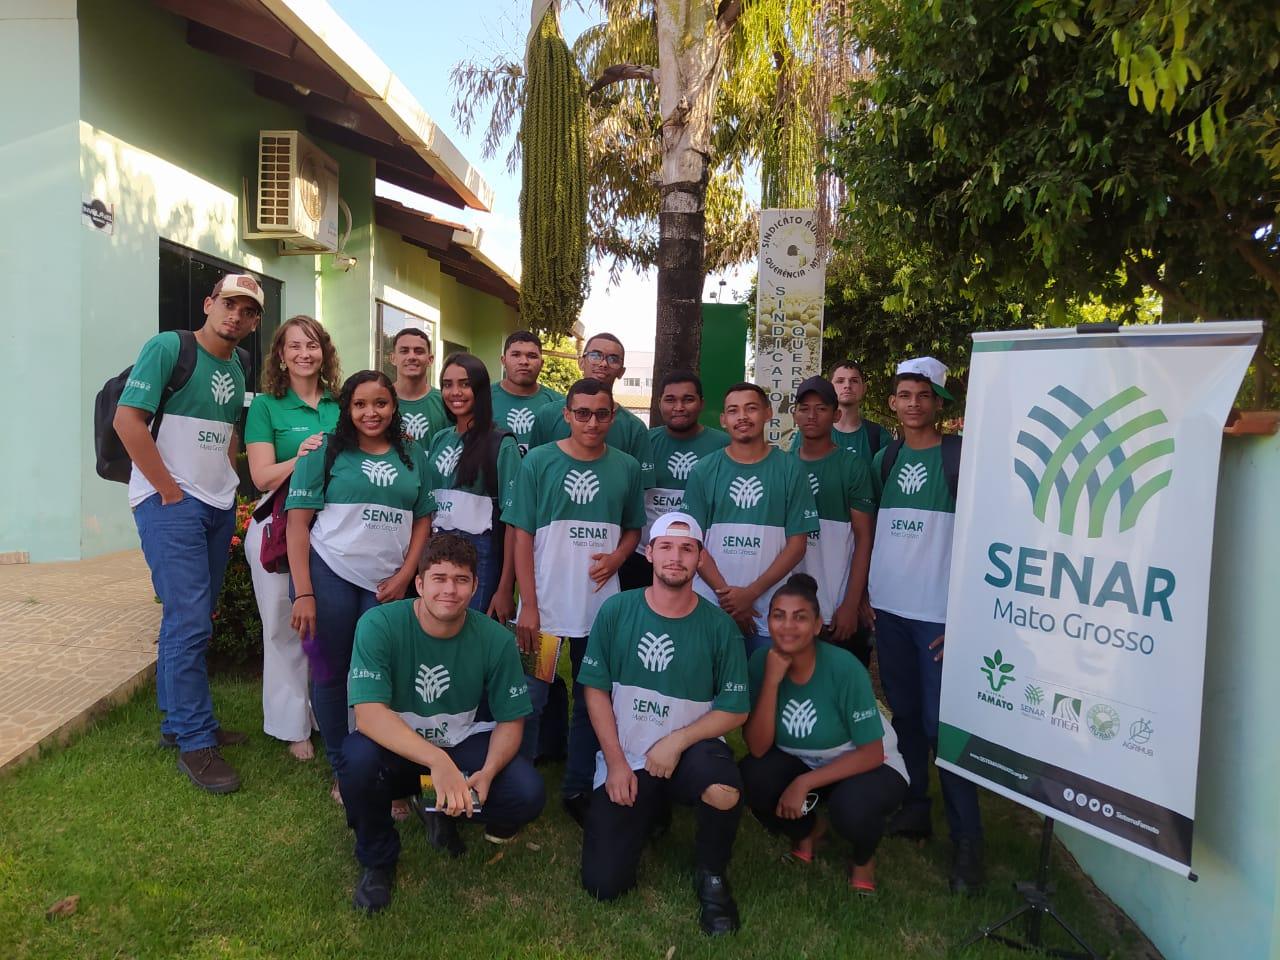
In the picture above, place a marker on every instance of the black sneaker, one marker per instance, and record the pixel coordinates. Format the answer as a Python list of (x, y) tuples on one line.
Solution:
[(966, 866), (719, 913), (208, 771), (373, 891), (442, 830), (913, 823), (226, 738), (576, 806)]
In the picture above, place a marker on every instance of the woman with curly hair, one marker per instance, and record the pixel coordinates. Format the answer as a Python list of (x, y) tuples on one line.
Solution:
[(366, 490), (286, 420)]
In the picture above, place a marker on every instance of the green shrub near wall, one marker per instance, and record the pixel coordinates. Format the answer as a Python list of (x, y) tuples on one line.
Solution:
[(237, 628)]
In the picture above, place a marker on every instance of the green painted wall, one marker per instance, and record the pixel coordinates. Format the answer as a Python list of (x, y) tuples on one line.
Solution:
[(1234, 908)]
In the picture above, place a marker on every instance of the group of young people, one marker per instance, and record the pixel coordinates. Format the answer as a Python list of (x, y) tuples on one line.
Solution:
[(703, 581)]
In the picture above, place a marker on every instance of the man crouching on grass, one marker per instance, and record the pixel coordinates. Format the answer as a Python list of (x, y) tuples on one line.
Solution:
[(437, 689)]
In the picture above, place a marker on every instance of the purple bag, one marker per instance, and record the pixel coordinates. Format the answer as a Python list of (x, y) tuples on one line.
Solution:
[(272, 519)]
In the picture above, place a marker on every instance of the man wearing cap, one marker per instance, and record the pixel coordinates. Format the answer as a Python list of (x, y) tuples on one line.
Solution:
[(851, 430), (182, 492), (839, 552), (665, 679), (915, 483)]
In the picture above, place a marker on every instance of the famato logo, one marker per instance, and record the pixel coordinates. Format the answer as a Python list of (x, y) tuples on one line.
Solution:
[(998, 674)]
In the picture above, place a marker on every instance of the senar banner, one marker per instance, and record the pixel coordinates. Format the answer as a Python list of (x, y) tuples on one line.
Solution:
[(1076, 617), (790, 293)]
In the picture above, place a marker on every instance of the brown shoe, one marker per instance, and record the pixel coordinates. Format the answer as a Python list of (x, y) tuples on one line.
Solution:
[(226, 738), (208, 771)]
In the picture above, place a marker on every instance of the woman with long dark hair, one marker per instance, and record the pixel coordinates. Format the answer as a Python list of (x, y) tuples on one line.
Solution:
[(473, 467), (287, 420), (366, 491)]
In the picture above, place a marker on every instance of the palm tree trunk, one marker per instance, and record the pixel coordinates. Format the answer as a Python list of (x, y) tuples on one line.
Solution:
[(681, 237)]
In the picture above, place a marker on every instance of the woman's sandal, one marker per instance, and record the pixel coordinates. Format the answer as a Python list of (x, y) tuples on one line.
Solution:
[(863, 888), (336, 795), (796, 855)]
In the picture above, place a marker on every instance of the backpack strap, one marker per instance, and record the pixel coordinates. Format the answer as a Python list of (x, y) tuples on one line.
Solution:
[(951, 444), (875, 436), (890, 455), (178, 378)]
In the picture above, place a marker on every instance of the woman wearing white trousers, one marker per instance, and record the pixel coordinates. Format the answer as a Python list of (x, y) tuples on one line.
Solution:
[(289, 417)]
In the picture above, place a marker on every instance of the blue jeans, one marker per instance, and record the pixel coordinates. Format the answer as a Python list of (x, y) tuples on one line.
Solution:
[(339, 604), (372, 776), (488, 568), (912, 681), (186, 545), (580, 762)]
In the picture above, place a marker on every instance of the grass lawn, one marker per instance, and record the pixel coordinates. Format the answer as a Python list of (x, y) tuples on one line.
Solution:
[(163, 870)]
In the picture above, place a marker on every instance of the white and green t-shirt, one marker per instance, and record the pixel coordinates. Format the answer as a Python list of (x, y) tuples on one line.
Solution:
[(747, 511), (673, 459), (662, 674), (574, 508), (364, 519), (517, 413), (437, 685), (911, 560), (840, 481), (856, 441), (627, 433), (423, 418), (195, 432), (468, 509), (832, 714)]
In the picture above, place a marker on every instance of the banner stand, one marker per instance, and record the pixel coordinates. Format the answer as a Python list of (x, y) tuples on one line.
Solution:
[(1039, 904)]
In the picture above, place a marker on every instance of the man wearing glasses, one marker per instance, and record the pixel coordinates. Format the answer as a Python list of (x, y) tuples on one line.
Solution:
[(576, 511), (182, 493)]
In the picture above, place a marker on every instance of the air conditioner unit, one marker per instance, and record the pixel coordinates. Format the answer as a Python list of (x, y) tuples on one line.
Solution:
[(297, 199)]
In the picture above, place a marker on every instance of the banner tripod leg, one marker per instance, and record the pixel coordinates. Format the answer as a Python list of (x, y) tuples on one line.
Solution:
[(1038, 905)]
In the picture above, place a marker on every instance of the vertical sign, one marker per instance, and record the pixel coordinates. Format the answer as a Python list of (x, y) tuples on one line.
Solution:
[(789, 299)]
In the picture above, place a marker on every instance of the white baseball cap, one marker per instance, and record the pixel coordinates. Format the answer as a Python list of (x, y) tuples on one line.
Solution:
[(662, 527), (241, 285), (935, 371)]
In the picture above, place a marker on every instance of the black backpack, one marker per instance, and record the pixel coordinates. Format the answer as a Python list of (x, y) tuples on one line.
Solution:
[(875, 437), (113, 462), (950, 461)]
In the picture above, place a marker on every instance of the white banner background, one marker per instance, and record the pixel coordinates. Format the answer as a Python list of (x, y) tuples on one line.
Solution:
[(1091, 712)]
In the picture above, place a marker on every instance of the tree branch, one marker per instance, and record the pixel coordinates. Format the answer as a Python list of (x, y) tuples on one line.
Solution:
[(727, 14), (1261, 267), (621, 72), (1147, 274)]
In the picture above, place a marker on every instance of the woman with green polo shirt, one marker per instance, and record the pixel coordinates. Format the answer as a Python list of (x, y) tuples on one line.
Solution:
[(473, 466), (366, 490), (287, 419), (815, 733)]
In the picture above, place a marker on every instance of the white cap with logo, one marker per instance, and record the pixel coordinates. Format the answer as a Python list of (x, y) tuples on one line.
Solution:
[(935, 371), (241, 285), (662, 527)]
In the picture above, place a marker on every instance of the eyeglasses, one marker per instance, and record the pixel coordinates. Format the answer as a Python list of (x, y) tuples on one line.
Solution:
[(612, 359), (584, 414)]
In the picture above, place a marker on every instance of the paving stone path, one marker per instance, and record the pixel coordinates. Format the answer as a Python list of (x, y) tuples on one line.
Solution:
[(76, 638)]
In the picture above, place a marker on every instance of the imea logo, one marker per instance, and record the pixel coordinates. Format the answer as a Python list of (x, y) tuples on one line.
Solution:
[(1077, 456), (1066, 712), (998, 674)]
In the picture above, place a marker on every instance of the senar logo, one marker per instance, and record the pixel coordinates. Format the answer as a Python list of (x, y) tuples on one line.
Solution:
[(222, 385), (656, 653), (1103, 468), (799, 717), (581, 486), (813, 484), (520, 420), (431, 682), (680, 463), (416, 425), (746, 492), (447, 460), (379, 472), (912, 477)]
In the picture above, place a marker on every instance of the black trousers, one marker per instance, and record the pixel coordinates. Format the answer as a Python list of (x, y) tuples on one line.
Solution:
[(859, 644), (857, 805), (615, 835)]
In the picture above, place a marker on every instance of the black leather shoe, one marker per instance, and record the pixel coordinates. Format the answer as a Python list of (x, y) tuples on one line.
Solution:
[(442, 830), (373, 892), (911, 822), (966, 867), (719, 913)]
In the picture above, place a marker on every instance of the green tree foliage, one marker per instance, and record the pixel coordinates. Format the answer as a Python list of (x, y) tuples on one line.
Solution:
[(995, 143), (559, 372)]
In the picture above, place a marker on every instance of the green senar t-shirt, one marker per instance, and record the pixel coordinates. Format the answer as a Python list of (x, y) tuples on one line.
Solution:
[(574, 508), (425, 417), (195, 433), (911, 560), (284, 422), (437, 685), (673, 459), (856, 441), (840, 482), (517, 413), (835, 712), (469, 509), (663, 674), (365, 517), (747, 511), (627, 433)]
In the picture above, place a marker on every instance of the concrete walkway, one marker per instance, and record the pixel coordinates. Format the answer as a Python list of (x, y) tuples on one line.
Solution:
[(76, 638)]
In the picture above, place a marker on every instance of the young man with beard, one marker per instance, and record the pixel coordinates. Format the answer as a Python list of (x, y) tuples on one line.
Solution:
[(665, 679), (421, 406), (915, 481), (851, 431), (756, 507), (839, 554), (518, 396), (437, 689)]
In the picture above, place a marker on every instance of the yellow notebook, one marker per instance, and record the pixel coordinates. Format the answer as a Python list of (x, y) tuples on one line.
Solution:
[(541, 662)]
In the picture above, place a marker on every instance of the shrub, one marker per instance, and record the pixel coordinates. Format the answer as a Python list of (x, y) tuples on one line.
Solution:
[(237, 628)]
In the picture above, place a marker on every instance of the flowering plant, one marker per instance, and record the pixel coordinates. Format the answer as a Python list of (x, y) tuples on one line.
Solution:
[(237, 628)]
